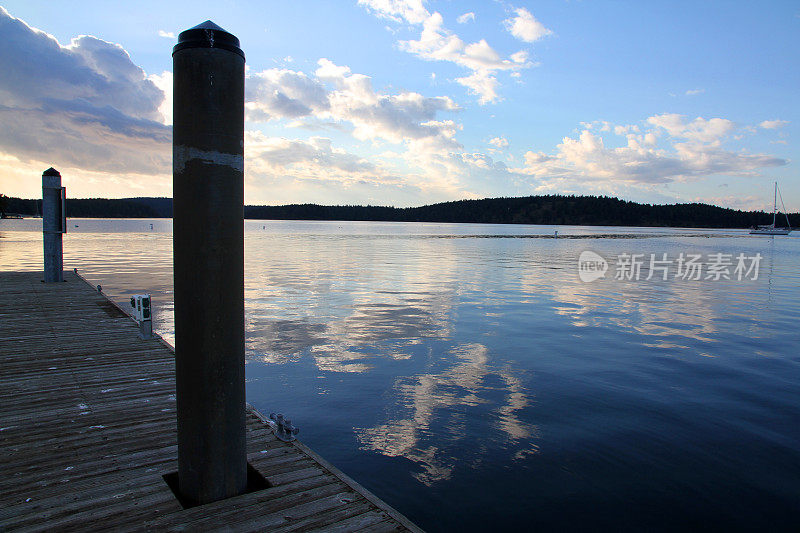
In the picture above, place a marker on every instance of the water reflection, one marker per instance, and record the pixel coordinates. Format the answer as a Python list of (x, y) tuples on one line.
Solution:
[(672, 314), (332, 301), (466, 369), (438, 408)]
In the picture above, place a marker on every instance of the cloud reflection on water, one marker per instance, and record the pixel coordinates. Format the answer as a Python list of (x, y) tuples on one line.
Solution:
[(350, 305), (426, 400), (452, 329)]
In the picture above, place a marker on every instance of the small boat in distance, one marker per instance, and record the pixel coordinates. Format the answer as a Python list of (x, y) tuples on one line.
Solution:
[(772, 229)]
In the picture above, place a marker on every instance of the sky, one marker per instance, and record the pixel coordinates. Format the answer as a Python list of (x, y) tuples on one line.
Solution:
[(411, 102)]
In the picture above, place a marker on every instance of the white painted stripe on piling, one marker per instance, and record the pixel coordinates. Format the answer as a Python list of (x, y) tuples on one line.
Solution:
[(183, 154)]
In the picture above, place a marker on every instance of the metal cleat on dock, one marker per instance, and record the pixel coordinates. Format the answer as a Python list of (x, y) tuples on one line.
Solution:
[(283, 427)]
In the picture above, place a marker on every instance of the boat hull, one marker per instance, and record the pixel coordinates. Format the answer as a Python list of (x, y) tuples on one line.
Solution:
[(770, 231)]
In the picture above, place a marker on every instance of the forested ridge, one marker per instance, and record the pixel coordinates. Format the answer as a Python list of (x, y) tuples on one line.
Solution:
[(549, 209)]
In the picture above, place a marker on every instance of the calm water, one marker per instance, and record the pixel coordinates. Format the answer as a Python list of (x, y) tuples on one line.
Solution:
[(466, 375)]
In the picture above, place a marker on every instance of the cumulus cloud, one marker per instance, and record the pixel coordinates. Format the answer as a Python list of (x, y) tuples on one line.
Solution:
[(418, 165), (773, 124), (280, 170), (499, 142), (164, 82), (337, 94), (695, 149), (411, 11), (699, 129), (315, 158), (466, 17), (85, 105), (102, 114), (282, 93), (333, 94), (166, 34), (525, 27), (482, 161), (437, 43)]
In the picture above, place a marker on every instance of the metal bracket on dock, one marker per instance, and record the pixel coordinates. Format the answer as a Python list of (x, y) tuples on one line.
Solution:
[(283, 427), (142, 314)]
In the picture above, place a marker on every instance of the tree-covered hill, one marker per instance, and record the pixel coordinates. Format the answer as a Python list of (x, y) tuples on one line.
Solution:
[(551, 209)]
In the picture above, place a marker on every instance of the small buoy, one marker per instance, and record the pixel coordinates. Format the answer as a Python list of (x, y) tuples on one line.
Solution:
[(556, 235)]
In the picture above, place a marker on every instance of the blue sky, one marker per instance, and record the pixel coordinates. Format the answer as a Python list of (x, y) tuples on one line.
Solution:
[(412, 102)]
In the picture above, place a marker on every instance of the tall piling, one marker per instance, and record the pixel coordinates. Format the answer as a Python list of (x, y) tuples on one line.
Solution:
[(54, 225), (208, 247)]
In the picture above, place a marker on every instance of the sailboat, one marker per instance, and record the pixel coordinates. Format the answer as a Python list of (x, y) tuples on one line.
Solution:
[(771, 229)]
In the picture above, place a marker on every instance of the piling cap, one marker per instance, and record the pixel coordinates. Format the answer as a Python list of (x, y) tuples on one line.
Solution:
[(208, 35), (51, 172)]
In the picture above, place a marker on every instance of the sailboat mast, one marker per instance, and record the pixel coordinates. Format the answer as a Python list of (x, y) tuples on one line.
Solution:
[(775, 205)]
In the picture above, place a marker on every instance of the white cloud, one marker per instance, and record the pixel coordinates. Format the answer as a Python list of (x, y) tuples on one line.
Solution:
[(19, 178), (396, 118), (520, 57), (164, 82), (281, 93), (482, 84), (166, 34), (85, 105), (280, 170), (411, 11), (773, 124), (482, 161), (692, 92), (466, 17), (499, 142), (315, 158), (699, 130), (103, 115), (525, 27), (436, 43), (334, 95), (695, 150)]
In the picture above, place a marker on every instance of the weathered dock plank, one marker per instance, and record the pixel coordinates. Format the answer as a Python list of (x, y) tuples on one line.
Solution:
[(88, 430)]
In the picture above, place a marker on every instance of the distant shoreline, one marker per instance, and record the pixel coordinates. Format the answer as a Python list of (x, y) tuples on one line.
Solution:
[(534, 210)]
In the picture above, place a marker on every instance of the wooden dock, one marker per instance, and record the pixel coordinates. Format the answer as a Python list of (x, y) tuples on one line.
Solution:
[(88, 430)]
